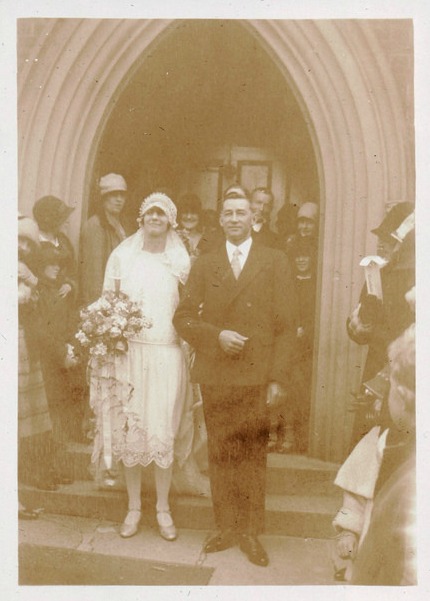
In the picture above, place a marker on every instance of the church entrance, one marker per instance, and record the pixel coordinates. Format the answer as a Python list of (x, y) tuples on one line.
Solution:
[(208, 107)]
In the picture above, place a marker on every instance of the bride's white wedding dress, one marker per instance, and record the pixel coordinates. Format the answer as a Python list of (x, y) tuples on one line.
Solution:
[(147, 384)]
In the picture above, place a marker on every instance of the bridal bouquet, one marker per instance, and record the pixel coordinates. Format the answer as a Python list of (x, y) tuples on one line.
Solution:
[(107, 324)]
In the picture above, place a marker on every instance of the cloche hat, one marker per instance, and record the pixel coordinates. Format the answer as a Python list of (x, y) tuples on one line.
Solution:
[(112, 182), (50, 212), (308, 210)]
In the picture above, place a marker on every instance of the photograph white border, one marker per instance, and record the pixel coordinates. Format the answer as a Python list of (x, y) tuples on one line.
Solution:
[(280, 9)]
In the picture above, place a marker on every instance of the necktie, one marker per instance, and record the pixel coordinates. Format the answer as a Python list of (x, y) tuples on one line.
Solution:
[(235, 263)]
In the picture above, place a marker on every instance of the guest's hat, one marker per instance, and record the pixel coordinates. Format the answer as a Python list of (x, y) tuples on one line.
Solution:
[(395, 216), (112, 182), (308, 210), (50, 212)]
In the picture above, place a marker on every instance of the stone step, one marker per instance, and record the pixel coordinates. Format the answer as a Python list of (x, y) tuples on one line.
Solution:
[(300, 475), (99, 556), (47, 565), (288, 515), (286, 474)]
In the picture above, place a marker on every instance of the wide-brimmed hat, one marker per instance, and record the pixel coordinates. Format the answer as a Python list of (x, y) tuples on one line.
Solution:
[(395, 216), (50, 212), (112, 182)]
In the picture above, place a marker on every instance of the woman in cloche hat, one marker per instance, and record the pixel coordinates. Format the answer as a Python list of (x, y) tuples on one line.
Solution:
[(100, 235), (149, 266)]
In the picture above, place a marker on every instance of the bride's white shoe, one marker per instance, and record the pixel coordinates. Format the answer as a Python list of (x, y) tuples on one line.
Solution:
[(166, 526), (130, 526)]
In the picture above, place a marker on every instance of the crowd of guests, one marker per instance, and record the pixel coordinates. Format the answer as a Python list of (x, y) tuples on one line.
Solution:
[(223, 375), (376, 525)]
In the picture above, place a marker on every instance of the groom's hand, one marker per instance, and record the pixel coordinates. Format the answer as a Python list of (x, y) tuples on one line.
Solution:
[(232, 342)]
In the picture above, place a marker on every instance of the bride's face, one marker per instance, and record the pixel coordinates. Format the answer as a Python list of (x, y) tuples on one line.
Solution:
[(155, 222)]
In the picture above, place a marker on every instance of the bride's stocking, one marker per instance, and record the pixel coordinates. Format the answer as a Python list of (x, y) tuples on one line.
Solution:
[(133, 480), (163, 480)]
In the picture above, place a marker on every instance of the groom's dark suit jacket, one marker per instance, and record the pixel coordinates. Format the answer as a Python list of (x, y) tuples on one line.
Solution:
[(261, 305)]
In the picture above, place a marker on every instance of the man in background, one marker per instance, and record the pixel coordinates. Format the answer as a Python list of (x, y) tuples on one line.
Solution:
[(262, 201)]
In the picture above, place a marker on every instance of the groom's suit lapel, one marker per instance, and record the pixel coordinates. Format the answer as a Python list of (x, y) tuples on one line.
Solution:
[(223, 277)]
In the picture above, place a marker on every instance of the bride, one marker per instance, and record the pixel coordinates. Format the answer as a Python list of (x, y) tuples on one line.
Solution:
[(150, 265)]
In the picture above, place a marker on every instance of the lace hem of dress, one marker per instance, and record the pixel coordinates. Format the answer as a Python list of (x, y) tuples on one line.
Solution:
[(144, 458), (134, 445), (119, 432)]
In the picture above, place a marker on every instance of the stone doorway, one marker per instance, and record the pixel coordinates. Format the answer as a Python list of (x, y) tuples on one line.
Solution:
[(207, 107)]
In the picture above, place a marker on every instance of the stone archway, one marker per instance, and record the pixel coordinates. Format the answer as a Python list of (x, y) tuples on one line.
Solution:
[(70, 78)]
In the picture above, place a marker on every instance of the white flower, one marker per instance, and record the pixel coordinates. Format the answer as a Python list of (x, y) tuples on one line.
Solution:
[(99, 350), (134, 322), (119, 321), (146, 322), (94, 307), (87, 326), (115, 332), (84, 314), (121, 306), (104, 304), (83, 339)]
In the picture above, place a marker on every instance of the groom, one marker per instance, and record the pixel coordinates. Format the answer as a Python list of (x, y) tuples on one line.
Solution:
[(239, 313)]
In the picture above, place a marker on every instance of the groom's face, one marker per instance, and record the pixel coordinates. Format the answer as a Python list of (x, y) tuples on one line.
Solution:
[(236, 219)]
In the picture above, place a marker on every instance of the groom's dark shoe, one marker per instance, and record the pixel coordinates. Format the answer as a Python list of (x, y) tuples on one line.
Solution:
[(253, 549), (221, 541)]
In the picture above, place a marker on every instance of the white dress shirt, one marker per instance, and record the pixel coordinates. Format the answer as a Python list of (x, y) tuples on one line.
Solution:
[(244, 249)]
